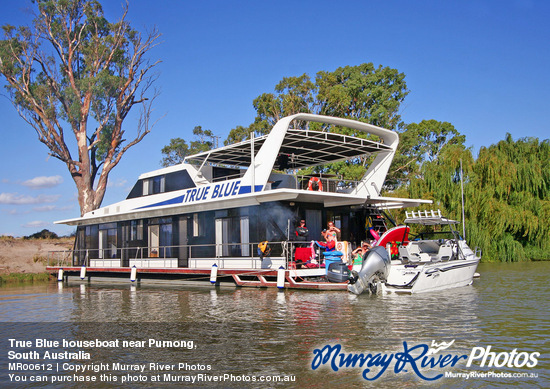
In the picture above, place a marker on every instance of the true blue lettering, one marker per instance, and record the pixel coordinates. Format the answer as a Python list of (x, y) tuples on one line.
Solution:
[(216, 191), (202, 192), (225, 189), (236, 188), (336, 359), (187, 195), (228, 192)]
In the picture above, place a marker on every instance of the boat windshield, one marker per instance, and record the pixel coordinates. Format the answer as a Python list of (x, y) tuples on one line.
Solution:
[(437, 235)]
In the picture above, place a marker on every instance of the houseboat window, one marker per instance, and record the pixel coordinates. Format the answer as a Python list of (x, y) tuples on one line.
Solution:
[(232, 236), (159, 184), (136, 230), (154, 185), (147, 189), (108, 240), (199, 228), (338, 221), (223, 229), (154, 240), (196, 225), (91, 237), (277, 221), (160, 238), (223, 173), (314, 221), (163, 183), (245, 236)]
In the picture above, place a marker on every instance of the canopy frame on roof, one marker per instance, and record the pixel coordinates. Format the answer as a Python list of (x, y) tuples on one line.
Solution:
[(300, 149)]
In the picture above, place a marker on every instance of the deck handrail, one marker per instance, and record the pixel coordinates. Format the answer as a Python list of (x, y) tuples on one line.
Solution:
[(60, 258)]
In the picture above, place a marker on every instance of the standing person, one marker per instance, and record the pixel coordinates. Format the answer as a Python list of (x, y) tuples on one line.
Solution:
[(331, 236), (331, 233), (301, 231)]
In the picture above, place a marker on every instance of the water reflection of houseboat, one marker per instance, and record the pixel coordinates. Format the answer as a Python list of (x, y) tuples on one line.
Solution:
[(218, 206)]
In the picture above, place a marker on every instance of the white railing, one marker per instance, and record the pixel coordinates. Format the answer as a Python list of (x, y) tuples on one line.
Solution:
[(166, 255)]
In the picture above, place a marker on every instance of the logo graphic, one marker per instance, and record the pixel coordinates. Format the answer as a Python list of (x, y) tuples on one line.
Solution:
[(438, 347), (419, 358)]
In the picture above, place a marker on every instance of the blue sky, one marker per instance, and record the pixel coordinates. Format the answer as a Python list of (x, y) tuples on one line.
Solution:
[(481, 65)]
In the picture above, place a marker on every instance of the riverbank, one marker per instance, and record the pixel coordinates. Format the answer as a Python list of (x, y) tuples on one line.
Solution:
[(26, 259)]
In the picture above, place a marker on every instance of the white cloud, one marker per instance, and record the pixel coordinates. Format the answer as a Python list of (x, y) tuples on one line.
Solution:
[(119, 183), (45, 208), (43, 182), (49, 208), (11, 211), (17, 199), (37, 224)]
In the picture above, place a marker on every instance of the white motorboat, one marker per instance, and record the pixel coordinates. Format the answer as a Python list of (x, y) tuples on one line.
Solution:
[(423, 265)]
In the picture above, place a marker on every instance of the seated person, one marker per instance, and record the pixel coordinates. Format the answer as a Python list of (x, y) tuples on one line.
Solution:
[(359, 252)]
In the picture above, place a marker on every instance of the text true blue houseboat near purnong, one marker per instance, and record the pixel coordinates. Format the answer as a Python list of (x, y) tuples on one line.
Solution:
[(230, 215)]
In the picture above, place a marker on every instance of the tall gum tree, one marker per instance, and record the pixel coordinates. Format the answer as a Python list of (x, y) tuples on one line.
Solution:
[(364, 92), (73, 70)]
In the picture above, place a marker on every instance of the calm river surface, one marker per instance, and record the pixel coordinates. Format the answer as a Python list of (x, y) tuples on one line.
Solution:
[(253, 337)]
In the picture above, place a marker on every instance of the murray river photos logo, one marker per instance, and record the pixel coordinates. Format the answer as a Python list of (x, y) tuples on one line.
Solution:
[(418, 358)]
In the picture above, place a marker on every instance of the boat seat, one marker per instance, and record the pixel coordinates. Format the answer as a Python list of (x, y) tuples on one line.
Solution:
[(403, 253), (411, 253), (445, 252)]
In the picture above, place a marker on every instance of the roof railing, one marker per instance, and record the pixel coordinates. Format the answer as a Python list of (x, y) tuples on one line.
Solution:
[(423, 214)]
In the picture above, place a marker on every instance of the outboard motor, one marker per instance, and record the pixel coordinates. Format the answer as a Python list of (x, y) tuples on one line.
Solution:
[(376, 262), (338, 272)]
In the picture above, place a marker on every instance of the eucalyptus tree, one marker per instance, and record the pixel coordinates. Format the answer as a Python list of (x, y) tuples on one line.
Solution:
[(292, 95), (364, 92), (73, 71), (178, 149), (420, 143)]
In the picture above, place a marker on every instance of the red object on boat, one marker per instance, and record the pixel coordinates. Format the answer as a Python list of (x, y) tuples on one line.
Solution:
[(303, 254), (396, 234)]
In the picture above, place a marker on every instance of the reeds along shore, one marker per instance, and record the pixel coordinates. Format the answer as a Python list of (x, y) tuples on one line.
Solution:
[(12, 278)]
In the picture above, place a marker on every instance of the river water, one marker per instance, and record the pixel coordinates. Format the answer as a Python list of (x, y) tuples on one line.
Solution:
[(267, 338)]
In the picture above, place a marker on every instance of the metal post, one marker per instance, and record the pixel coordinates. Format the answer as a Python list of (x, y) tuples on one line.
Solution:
[(252, 163), (462, 190)]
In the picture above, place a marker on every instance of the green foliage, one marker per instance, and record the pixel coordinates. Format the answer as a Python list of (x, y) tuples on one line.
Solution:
[(178, 148), (507, 196), (419, 143), (24, 277), (362, 92), (44, 234)]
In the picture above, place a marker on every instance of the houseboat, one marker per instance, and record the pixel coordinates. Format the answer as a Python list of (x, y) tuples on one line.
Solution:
[(230, 214)]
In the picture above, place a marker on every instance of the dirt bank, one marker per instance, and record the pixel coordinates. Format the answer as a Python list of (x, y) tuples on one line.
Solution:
[(29, 255)]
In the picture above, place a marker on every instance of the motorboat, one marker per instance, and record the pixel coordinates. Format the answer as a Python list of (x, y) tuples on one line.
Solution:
[(422, 264)]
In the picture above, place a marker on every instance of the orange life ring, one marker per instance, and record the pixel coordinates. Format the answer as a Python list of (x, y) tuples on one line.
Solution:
[(318, 181)]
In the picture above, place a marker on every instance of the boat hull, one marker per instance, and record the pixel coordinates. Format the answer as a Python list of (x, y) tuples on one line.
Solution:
[(431, 277)]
